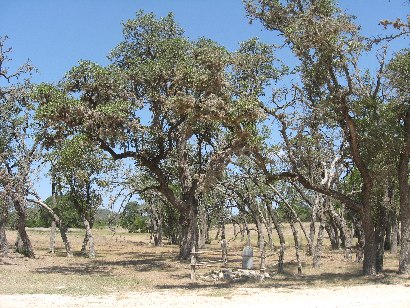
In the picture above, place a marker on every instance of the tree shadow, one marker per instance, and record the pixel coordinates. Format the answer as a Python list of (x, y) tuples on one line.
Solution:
[(76, 269), (145, 264), (196, 286)]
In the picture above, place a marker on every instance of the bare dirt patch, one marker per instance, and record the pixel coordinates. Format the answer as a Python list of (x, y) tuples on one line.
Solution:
[(128, 271)]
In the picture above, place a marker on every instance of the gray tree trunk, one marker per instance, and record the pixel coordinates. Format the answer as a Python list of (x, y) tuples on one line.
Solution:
[(203, 227), (281, 236), (312, 230), (88, 239), (404, 191), (297, 247), (259, 228), (4, 247), (317, 254), (319, 246), (189, 231), (25, 248), (224, 249), (52, 237), (345, 232), (332, 236), (394, 235)]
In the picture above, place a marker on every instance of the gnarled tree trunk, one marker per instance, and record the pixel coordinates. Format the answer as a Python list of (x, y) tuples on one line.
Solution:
[(369, 257), (189, 229), (25, 248), (282, 243), (88, 239), (297, 246), (4, 247), (52, 237)]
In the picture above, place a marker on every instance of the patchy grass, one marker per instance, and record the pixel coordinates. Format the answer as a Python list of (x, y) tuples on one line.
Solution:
[(126, 262)]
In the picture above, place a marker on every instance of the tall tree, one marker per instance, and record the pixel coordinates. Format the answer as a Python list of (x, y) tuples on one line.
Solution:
[(398, 73), (179, 109), (328, 46), (18, 147)]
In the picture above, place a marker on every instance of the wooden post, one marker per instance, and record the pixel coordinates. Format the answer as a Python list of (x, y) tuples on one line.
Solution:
[(193, 263)]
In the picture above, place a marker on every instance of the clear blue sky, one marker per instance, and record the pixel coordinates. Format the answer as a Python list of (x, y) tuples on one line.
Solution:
[(55, 34)]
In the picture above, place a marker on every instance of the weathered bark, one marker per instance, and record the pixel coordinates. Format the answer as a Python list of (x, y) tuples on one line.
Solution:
[(404, 191), (297, 247), (26, 248), (388, 238), (259, 228), (394, 235), (224, 249), (269, 228), (189, 231), (4, 247), (345, 232), (218, 231), (319, 246), (52, 237), (279, 230), (380, 234), (381, 225), (360, 243), (294, 216), (156, 227), (369, 257), (332, 236), (317, 253), (61, 226), (262, 265), (53, 223), (312, 229), (88, 239), (203, 227)]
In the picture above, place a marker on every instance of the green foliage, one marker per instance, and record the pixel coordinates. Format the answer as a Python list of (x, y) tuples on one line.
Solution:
[(302, 211), (134, 217), (105, 218)]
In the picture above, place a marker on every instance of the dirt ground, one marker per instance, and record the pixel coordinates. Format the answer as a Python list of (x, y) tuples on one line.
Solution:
[(128, 271), (354, 296)]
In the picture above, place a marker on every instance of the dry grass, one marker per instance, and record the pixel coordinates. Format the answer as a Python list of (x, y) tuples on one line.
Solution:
[(126, 262)]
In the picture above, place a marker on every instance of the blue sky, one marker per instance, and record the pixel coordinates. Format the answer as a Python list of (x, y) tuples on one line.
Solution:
[(56, 34)]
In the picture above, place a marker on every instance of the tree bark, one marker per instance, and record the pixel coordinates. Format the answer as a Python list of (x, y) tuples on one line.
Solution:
[(394, 235), (189, 230), (312, 229), (319, 246), (52, 237), (62, 227), (259, 228), (332, 236), (88, 239), (203, 227), (404, 190), (4, 247), (369, 257), (297, 247), (345, 232), (279, 230), (380, 235), (26, 249)]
